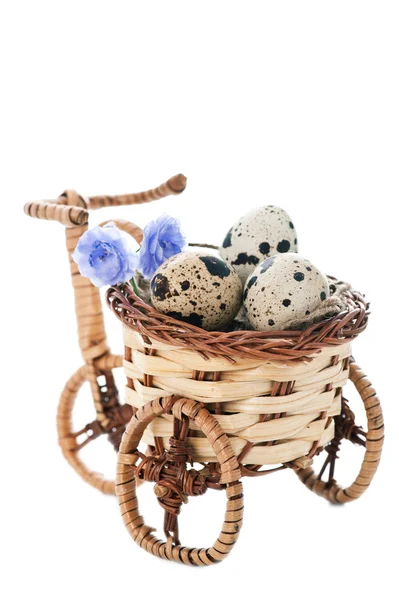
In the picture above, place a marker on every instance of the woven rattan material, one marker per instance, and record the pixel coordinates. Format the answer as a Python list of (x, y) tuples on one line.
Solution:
[(265, 345), (280, 409), (275, 393)]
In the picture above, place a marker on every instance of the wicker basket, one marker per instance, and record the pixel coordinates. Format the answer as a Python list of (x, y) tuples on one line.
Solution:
[(236, 403)]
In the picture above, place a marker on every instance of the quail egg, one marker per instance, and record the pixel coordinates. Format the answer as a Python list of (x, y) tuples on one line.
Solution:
[(197, 288), (261, 233), (282, 288)]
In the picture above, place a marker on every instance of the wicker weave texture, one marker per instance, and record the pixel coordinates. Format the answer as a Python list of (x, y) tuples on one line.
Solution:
[(281, 410)]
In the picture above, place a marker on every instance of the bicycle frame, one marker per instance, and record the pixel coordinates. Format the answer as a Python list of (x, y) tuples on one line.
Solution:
[(72, 210)]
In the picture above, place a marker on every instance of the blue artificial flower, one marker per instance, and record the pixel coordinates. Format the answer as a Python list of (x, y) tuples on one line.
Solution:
[(104, 256), (162, 239)]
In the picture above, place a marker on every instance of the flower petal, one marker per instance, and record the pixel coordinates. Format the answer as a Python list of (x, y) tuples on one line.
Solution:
[(162, 239), (103, 254)]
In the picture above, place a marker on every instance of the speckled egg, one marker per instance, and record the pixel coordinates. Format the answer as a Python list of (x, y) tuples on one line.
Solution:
[(282, 288), (197, 288), (261, 233)]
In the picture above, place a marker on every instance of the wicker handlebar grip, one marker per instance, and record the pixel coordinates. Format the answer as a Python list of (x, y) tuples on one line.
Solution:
[(70, 216), (174, 185)]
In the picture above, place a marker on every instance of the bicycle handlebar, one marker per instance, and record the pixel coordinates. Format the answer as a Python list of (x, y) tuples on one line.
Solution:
[(65, 212)]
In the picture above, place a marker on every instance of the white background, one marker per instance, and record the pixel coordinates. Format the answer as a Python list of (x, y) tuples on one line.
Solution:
[(292, 103)]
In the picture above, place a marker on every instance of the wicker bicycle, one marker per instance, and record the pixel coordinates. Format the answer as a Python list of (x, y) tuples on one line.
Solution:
[(237, 404)]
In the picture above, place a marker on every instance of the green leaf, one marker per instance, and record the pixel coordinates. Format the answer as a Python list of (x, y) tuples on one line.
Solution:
[(134, 286)]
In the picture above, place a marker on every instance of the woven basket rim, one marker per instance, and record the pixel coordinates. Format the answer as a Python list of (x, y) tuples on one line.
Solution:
[(287, 345)]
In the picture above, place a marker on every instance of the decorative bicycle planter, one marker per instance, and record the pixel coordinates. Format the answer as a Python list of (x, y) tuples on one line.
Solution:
[(238, 404)]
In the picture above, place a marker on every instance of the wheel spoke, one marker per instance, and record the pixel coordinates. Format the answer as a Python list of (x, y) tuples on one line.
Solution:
[(358, 436), (171, 526), (91, 432)]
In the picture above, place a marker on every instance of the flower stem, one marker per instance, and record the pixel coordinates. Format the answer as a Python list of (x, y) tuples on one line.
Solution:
[(212, 246), (134, 286)]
